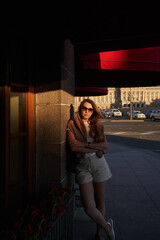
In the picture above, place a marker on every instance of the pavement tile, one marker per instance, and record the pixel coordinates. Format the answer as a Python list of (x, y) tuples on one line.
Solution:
[(119, 171), (124, 180), (156, 163), (151, 181), (84, 230), (132, 196), (116, 160)]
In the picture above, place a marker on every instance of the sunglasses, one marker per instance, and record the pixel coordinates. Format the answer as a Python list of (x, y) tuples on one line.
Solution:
[(89, 109)]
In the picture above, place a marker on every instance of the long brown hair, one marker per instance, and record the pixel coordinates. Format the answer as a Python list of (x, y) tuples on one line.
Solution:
[(93, 120)]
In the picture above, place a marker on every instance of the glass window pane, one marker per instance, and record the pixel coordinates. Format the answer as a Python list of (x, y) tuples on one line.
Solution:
[(17, 112), (17, 160)]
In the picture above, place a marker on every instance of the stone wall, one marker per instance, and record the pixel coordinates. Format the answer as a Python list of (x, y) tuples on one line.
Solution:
[(54, 107)]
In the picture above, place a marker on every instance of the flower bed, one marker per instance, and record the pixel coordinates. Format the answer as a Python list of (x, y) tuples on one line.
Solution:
[(51, 218)]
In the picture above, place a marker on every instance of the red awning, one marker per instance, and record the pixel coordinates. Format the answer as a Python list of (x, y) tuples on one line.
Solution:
[(141, 59), (91, 91)]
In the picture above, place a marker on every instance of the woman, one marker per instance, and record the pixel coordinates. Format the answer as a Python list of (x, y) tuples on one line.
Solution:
[(86, 137)]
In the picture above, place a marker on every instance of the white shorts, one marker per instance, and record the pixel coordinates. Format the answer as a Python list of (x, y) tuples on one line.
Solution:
[(92, 169)]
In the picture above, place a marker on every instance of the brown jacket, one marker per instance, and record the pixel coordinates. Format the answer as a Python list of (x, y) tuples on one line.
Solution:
[(78, 142)]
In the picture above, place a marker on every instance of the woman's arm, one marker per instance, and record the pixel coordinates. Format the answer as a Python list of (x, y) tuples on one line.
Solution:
[(100, 145), (77, 146)]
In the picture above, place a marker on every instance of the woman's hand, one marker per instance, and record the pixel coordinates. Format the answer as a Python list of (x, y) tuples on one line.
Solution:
[(77, 146)]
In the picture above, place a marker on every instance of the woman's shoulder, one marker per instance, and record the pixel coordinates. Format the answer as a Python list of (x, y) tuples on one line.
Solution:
[(72, 121), (99, 124)]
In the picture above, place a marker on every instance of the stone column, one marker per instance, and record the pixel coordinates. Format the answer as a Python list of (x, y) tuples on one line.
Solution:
[(54, 107), (149, 98)]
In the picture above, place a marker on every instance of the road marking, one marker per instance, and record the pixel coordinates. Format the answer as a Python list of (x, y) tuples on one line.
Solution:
[(118, 133), (148, 133), (115, 133), (132, 133)]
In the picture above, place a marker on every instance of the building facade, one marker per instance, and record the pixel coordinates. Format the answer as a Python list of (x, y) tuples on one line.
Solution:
[(141, 97), (33, 131), (103, 102)]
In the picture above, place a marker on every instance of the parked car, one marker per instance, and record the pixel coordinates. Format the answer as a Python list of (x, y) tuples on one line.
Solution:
[(106, 113), (137, 114), (128, 113), (116, 113), (148, 113), (155, 115)]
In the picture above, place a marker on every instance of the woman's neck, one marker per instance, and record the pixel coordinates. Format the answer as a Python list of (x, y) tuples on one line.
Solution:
[(85, 120)]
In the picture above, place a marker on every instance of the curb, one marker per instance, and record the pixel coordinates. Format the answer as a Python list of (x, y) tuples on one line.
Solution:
[(127, 120)]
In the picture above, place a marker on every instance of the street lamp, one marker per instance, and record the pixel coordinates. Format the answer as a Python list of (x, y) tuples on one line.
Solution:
[(130, 105)]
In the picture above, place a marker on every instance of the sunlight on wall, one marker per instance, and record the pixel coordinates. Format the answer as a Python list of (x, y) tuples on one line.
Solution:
[(14, 114)]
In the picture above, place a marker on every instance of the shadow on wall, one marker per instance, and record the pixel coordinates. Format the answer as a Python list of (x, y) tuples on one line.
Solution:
[(70, 164), (71, 111)]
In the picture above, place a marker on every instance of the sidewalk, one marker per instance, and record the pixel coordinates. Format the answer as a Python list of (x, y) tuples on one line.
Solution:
[(132, 196)]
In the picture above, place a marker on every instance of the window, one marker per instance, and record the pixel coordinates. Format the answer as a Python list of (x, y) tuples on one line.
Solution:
[(17, 129), (18, 138), (17, 149)]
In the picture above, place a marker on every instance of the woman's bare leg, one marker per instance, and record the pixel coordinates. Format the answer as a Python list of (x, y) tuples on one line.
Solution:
[(87, 195), (99, 194)]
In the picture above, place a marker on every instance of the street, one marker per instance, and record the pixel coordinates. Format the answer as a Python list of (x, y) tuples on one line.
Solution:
[(143, 130)]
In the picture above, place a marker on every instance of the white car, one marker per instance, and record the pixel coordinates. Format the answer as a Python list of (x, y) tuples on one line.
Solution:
[(139, 115), (155, 115), (116, 113)]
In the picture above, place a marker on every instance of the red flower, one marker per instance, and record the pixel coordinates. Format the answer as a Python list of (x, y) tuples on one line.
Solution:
[(57, 213), (43, 228), (61, 208), (35, 211), (62, 190), (36, 217), (43, 202), (29, 230), (69, 188), (44, 217), (11, 233)]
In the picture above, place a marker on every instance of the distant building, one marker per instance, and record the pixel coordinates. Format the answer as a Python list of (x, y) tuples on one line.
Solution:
[(121, 97), (141, 96), (103, 102)]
